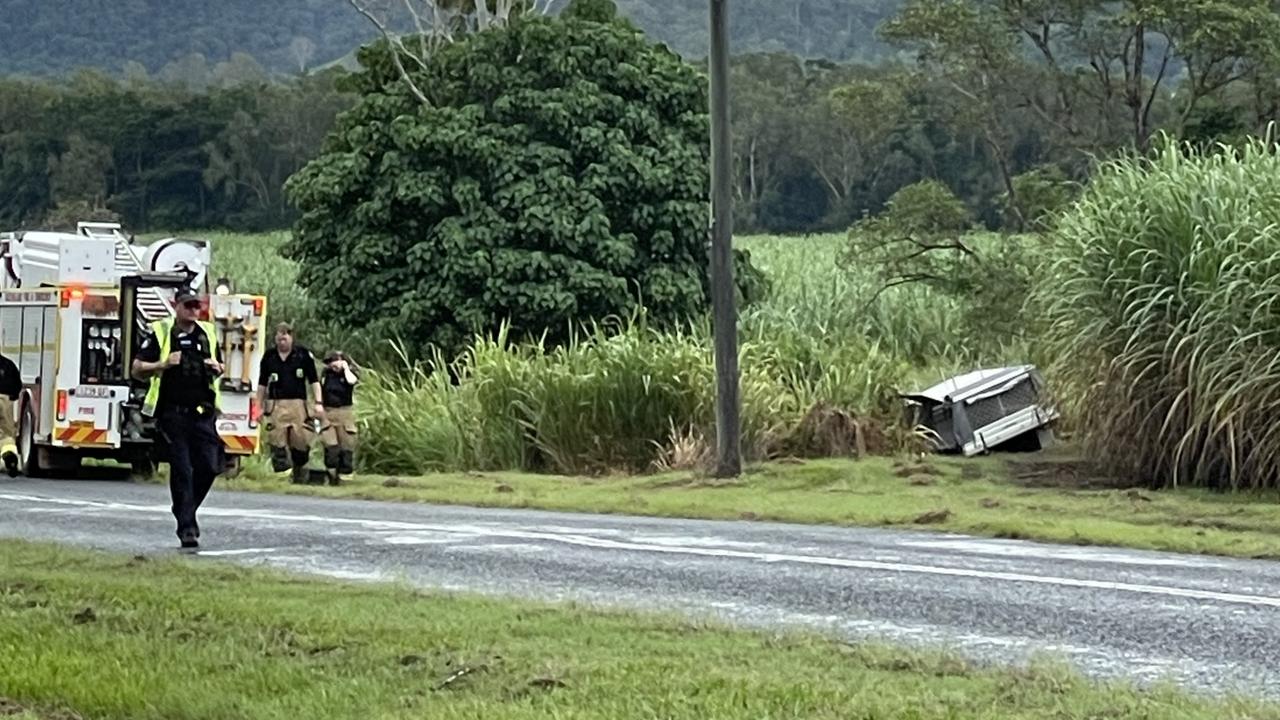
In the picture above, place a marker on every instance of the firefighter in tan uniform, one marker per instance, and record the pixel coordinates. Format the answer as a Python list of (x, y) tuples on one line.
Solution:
[(337, 388), (10, 389), (283, 379)]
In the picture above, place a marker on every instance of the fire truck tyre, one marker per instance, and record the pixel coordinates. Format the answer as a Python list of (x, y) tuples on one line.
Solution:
[(28, 453)]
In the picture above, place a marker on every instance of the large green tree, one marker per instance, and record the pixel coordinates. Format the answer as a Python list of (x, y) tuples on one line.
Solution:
[(554, 172)]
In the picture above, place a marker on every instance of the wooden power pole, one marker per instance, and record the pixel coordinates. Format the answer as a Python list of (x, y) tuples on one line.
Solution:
[(724, 314)]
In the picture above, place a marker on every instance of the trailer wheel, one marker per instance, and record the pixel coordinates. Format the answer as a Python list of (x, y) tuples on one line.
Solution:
[(28, 453)]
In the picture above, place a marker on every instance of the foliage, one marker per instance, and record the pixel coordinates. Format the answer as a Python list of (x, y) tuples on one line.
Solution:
[(601, 11), (1054, 81), (1040, 195), (156, 155), (175, 39), (919, 237), (557, 176), (1163, 316), (925, 237)]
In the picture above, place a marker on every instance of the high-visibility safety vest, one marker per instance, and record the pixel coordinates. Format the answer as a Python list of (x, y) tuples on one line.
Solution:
[(163, 328)]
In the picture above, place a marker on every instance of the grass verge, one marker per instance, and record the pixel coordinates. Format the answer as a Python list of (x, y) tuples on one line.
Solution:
[(1035, 498), (111, 637)]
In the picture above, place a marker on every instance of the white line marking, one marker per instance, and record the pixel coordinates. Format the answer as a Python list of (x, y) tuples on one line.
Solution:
[(586, 541), (244, 551), (1006, 548)]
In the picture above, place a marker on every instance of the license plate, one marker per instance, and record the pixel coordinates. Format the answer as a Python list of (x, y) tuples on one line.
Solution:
[(93, 391)]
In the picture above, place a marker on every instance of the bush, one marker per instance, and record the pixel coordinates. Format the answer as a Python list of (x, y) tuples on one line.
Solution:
[(1164, 302)]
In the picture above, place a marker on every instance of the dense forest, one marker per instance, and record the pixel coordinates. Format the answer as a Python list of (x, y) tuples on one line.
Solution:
[(1004, 103), (174, 38)]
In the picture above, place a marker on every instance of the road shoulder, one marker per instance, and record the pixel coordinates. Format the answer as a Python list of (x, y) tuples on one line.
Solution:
[(1035, 498)]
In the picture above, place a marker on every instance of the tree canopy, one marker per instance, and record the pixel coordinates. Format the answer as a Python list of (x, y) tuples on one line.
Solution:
[(556, 173)]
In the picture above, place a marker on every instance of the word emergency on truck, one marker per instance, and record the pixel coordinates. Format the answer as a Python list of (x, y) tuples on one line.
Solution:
[(74, 309)]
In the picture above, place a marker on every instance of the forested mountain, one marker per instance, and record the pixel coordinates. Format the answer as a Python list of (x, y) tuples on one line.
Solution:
[(175, 38)]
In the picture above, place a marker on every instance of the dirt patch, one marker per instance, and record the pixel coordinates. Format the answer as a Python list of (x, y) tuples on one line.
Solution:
[(697, 482), (1062, 474), (933, 516), (10, 708), (906, 471)]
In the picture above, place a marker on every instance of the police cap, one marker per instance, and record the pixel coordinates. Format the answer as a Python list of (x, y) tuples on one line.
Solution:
[(184, 295)]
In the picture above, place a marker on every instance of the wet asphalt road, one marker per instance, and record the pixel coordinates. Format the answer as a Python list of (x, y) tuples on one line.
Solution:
[(1207, 623)]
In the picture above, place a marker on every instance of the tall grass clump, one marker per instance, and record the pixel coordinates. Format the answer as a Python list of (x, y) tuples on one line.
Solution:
[(625, 398), (1165, 316)]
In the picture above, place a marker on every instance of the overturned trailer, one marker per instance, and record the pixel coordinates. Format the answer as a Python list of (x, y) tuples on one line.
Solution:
[(984, 410)]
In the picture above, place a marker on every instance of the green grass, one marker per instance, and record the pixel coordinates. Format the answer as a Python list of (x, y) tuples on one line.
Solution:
[(1034, 500), (112, 637)]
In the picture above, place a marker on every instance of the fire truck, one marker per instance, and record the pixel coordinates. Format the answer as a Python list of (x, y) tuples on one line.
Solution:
[(74, 309)]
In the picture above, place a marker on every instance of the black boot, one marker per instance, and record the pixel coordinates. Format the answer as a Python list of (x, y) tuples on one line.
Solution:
[(300, 458), (332, 461), (279, 459)]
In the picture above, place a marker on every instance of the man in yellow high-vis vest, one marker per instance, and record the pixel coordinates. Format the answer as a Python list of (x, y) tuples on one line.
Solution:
[(182, 361)]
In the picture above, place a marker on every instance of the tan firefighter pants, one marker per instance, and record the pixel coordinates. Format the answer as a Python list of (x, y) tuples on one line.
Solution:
[(339, 427), (339, 437), (289, 425), (8, 426)]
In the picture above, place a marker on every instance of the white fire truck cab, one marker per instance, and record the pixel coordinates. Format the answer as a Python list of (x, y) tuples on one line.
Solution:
[(74, 309)]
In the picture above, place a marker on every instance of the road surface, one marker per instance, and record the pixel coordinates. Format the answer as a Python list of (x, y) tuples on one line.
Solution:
[(1209, 624)]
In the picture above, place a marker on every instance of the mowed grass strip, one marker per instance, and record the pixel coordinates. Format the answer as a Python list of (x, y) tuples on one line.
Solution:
[(107, 636), (1042, 499)]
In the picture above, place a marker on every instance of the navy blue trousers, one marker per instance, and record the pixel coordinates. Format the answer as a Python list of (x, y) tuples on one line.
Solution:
[(195, 459)]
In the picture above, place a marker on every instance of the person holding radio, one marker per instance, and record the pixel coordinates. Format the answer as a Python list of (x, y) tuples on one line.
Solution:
[(181, 360)]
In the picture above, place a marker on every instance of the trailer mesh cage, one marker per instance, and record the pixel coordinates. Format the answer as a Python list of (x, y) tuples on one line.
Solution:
[(974, 412)]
